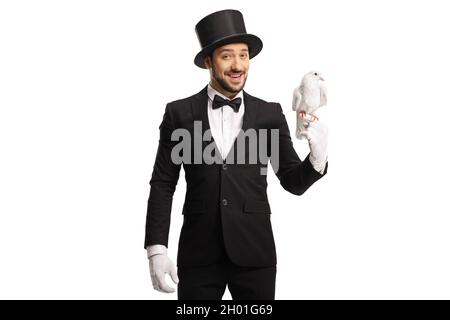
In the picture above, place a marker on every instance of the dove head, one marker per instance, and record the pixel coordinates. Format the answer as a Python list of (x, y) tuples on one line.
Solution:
[(228, 67), (313, 77)]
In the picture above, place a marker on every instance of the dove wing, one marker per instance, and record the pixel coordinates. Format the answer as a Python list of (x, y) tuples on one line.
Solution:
[(296, 99)]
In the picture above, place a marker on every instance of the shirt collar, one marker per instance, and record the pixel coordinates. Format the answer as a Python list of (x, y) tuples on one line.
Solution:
[(212, 92)]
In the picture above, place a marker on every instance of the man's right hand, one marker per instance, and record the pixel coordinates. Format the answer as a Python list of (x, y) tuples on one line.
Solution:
[(160, 264)]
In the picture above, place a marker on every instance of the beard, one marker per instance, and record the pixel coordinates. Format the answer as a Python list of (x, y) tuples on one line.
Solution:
[(222, 82)]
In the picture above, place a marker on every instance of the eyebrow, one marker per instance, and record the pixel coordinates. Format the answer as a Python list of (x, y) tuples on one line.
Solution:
[(222, 50)]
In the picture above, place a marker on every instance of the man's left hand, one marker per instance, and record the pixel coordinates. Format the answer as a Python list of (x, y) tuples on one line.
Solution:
[(317, 134)]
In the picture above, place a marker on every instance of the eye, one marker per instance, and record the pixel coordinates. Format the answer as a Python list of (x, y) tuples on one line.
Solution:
[(315, 73)]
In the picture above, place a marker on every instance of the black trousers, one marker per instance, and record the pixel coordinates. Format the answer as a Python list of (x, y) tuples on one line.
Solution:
[(209, 282)]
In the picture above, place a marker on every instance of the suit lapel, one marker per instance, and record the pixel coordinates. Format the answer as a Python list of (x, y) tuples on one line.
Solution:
[(199, 107), (248, 122), (251, 109)]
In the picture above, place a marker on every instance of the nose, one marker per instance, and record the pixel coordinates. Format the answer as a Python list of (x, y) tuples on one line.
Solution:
[(237, 64)]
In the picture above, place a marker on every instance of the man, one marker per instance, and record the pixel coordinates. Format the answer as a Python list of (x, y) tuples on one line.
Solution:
[(226, 238)]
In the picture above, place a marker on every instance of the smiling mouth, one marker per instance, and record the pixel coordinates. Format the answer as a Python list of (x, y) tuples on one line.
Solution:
[(236, 77)]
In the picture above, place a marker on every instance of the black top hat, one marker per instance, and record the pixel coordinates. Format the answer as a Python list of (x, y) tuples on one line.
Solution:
[(221, 28)]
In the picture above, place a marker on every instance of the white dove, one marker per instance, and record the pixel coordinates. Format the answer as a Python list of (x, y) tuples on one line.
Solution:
[(308, 97)]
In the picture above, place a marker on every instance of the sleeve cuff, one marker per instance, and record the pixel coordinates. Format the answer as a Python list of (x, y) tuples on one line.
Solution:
[(319, 166), (156, 249)]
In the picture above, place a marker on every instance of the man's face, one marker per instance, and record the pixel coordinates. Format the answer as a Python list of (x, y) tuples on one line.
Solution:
[(229, 68)]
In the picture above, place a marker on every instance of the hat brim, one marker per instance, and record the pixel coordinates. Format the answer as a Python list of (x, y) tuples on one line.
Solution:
[(254, 43)]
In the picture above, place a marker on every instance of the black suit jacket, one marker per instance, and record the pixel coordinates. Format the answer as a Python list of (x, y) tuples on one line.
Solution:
[(226, 209)]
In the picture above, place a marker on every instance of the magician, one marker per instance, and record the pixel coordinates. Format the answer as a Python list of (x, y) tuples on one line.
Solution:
[(226, 239)]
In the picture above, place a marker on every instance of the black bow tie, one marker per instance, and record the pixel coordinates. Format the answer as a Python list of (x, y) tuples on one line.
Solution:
[(219, 102)]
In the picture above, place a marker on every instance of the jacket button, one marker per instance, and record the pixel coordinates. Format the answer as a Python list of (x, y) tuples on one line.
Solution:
[(224, 202), (224, 166)]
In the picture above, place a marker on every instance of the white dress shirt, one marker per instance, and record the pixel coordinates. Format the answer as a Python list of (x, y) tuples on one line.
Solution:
[(225, 124)]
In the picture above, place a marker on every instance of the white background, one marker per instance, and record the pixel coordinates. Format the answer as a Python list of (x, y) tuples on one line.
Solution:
[(83, 86)]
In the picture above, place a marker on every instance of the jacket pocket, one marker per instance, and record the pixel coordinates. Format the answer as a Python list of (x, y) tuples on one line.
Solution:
[(257, 206), (193, 207)]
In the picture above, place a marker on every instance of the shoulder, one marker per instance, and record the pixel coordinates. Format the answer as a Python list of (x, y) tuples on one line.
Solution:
[(180, 110), (179, 103), (183, 103), (267, 105), (259, 100)]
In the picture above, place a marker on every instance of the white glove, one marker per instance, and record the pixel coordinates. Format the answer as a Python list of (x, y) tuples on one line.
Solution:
[(317, 134), (160, 264)]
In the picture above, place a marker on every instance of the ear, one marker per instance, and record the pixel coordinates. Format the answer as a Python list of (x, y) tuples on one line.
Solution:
[(208, 62)]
